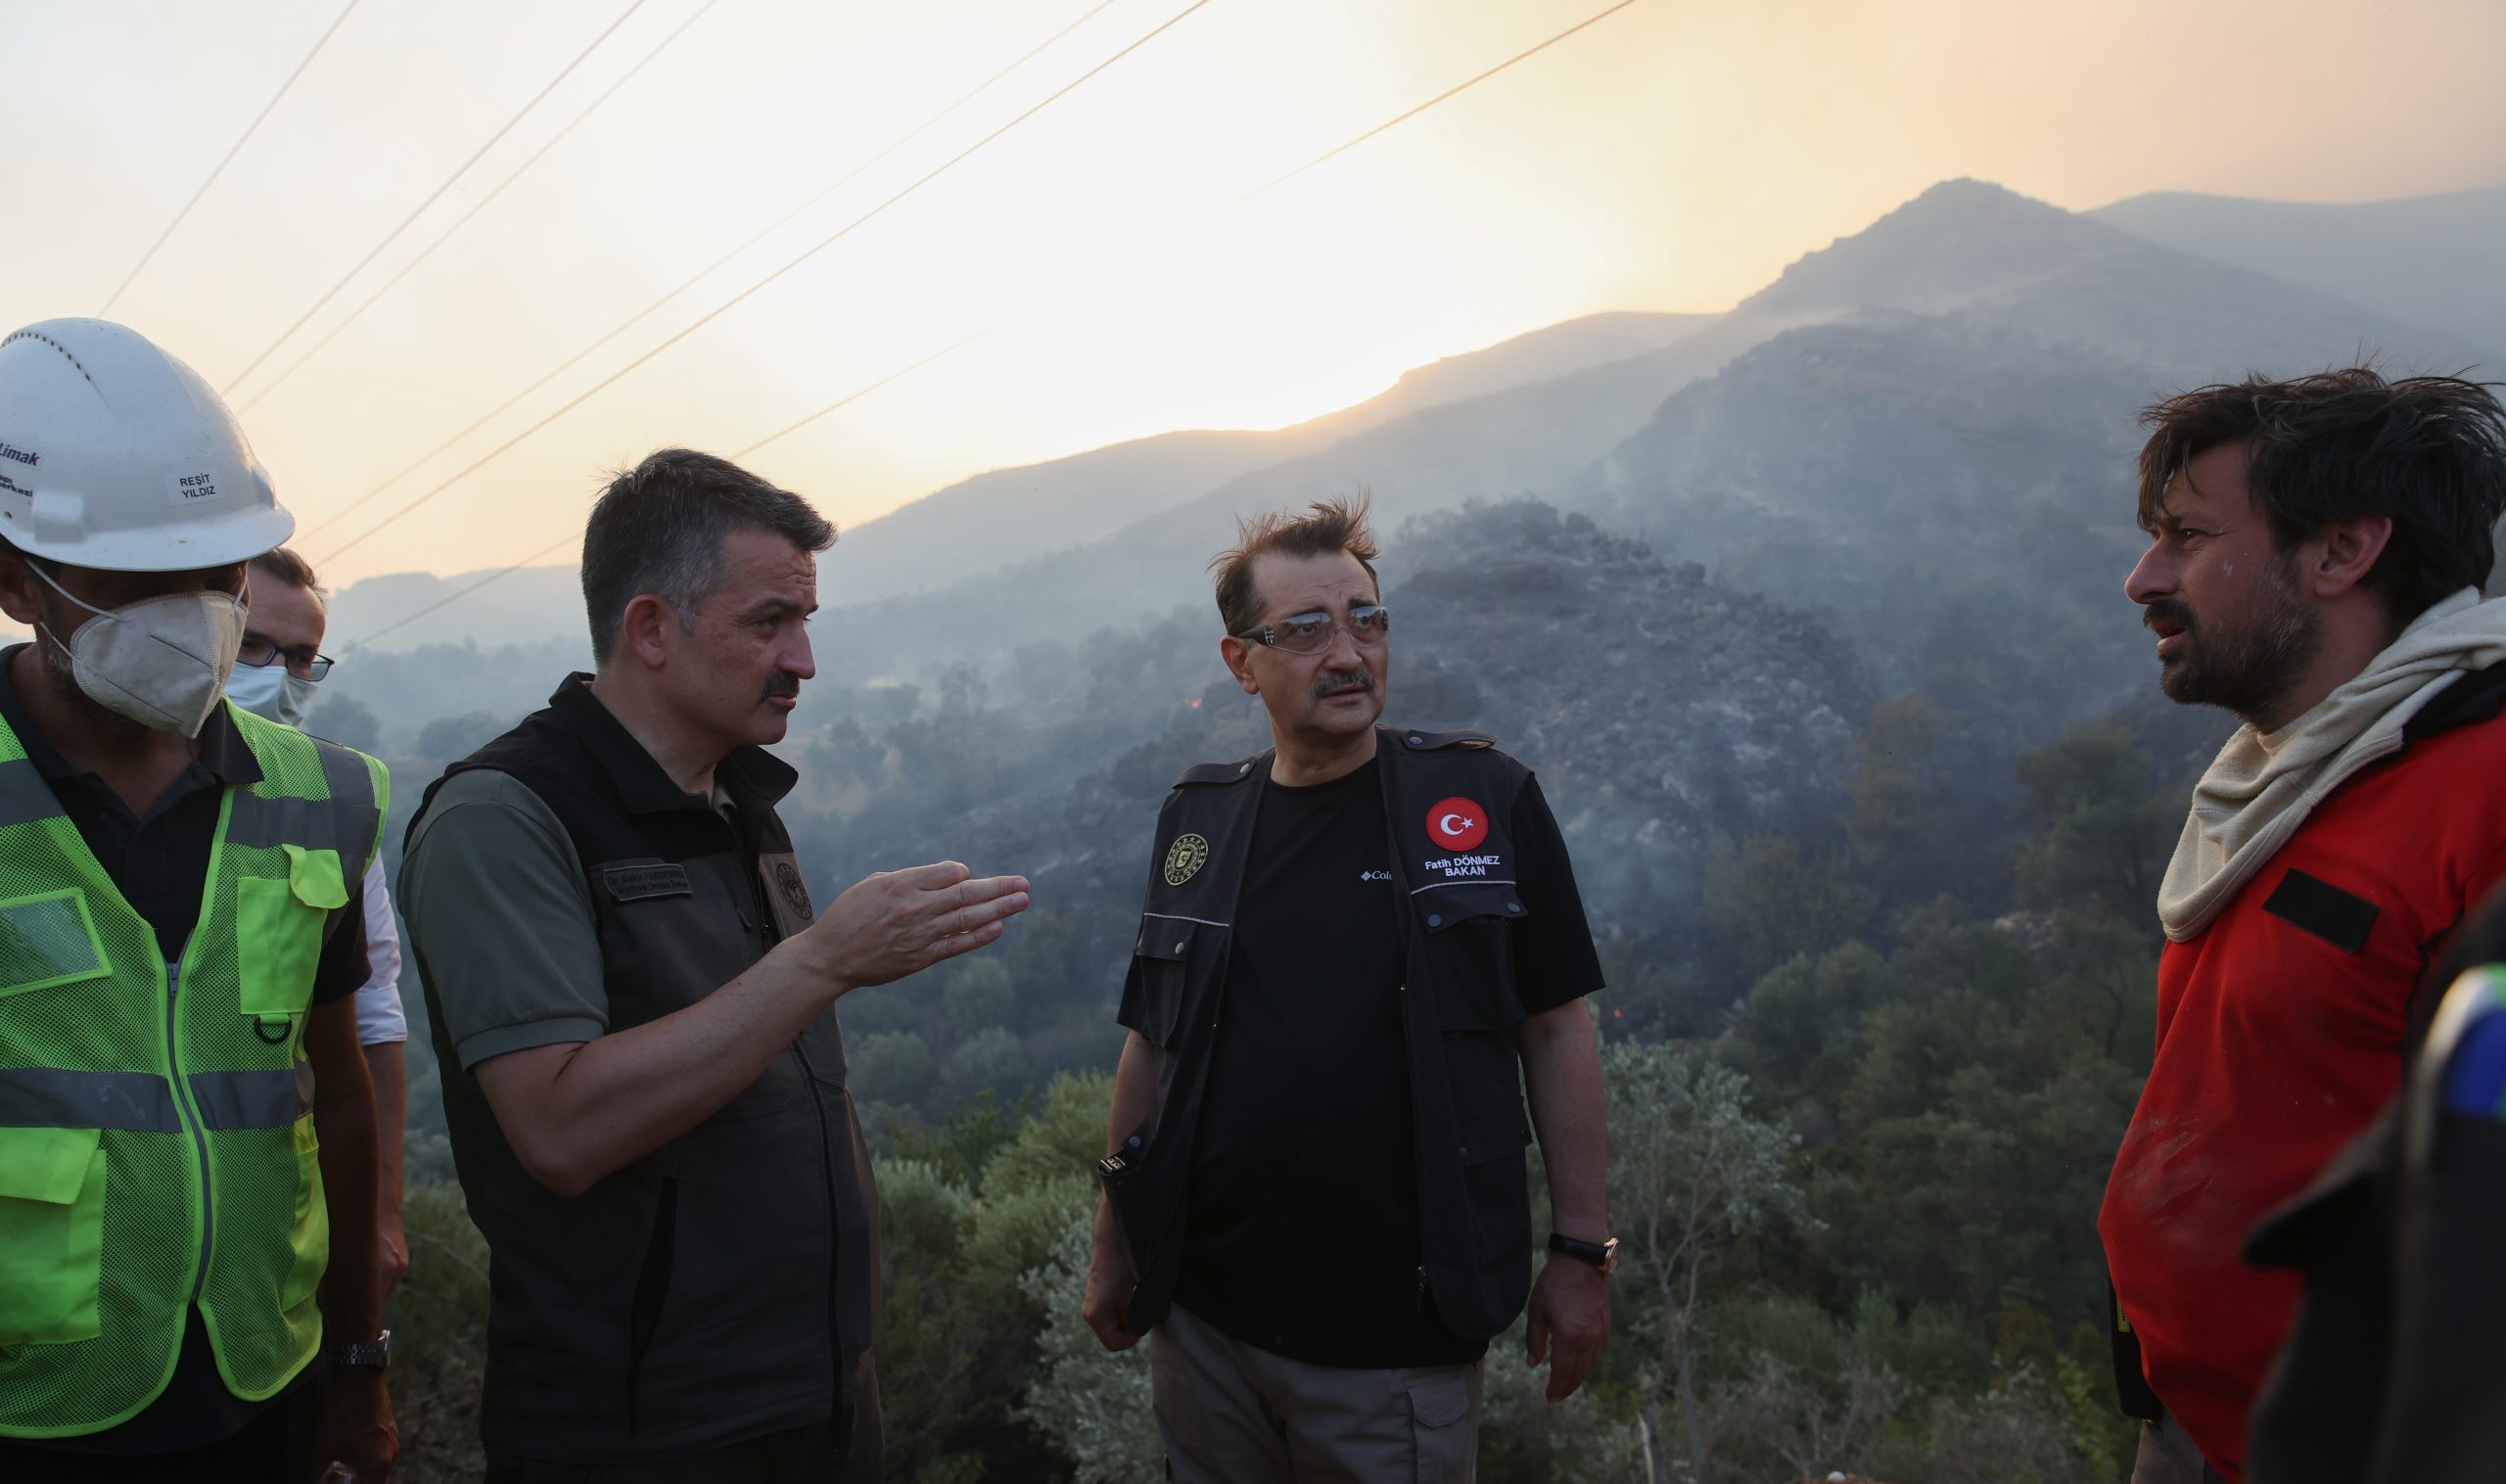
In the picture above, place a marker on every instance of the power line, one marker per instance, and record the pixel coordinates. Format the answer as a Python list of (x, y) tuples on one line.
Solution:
[(1267, 186), (482, 204), (727, 305), (859, 393), (238, 148), (433, 197), (640, 315), (455, 596)]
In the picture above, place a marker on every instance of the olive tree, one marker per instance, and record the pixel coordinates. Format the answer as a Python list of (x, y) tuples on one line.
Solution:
[(1692, 1172)]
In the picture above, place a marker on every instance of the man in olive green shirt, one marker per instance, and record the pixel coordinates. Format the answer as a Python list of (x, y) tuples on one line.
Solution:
[(633, 999)]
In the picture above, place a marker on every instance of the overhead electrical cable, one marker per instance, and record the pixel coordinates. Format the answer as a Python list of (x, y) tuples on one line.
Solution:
[(735, 300), (482, 204), (902, 371), (236, 149), (1267, 186), (699, 276), (456, 595), (432, 198)]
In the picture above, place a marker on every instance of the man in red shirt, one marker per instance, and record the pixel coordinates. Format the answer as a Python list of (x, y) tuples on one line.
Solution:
[(2316, 550)]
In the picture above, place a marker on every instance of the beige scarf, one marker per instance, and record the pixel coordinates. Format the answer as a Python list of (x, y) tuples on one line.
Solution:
[(2262, 786)]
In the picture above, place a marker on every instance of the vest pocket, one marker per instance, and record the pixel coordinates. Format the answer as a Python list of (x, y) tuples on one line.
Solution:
[(49, 939), (308, 1233), (1162, 958), (278, 936), (1470, 949), (52, 1235), (652, 1292), (1498, 1187)]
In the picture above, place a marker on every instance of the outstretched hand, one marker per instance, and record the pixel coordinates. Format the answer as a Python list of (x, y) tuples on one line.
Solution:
[(897, 923)]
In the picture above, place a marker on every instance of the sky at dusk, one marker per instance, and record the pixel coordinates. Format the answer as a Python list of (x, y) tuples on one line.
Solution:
[(1674, 156)]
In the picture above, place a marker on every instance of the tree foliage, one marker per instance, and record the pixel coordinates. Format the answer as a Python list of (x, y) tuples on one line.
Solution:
[(1860, 1122)]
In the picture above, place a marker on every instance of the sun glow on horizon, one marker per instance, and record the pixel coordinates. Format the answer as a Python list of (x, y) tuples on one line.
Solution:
[(1672, 157)]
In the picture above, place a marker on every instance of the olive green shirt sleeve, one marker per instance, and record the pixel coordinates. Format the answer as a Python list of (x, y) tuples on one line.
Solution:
[(500, 920)]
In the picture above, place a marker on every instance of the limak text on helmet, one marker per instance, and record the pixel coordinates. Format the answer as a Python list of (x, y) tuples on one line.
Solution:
[(115, 455)]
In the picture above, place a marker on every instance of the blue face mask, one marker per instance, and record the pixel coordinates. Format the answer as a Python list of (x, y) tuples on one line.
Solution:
[(268, 691)]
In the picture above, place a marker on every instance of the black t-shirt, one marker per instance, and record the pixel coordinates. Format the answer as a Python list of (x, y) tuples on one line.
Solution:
[(160, 867), (1301, 1225)]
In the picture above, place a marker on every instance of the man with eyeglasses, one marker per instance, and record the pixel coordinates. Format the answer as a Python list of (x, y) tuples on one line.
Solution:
[(276, 669), (1360, 951)]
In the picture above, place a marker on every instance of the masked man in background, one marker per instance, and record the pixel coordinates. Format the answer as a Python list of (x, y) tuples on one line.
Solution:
[(277, 671)]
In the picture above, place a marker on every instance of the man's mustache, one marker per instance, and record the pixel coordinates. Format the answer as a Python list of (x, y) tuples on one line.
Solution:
[(2168, 609), (784, 683), (1341, 680)]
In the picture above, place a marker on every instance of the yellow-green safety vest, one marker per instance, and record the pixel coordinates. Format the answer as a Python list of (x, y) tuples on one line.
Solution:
[(157, 1146)]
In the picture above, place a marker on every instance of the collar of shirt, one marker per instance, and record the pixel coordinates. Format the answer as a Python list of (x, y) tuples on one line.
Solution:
[(223, 758), (749, 775)]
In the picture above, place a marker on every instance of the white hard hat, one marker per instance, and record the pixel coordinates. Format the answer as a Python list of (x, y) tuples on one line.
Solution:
[(115, 455)]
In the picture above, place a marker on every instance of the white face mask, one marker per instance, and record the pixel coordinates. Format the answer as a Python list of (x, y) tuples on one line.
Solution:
[(160, 661), (269, 690)]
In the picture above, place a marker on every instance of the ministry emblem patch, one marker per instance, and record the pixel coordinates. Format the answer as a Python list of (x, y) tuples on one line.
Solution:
[(1185, 859), (796, 894)]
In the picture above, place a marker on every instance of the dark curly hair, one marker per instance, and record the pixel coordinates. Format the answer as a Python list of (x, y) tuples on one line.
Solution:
[(2429, 451)]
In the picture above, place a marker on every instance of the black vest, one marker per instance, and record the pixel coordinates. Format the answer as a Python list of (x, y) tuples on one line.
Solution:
[(1461, 1015), (724, 1286)]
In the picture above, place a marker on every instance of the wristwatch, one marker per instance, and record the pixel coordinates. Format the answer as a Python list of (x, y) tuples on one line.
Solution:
[(372, 1355), (1603, 1254)]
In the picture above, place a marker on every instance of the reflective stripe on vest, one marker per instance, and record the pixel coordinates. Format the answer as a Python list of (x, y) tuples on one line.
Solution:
[(24, 795), (185, 1093)]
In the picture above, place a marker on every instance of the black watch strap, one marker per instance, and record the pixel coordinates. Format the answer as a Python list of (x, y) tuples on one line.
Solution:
[(1601, 1254), (372, 1355)]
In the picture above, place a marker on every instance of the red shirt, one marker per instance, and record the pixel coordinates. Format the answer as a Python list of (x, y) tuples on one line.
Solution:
[(2280, 1032)]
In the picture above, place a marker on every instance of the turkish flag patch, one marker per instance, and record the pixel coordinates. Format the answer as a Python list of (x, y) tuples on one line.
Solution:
[(1457, 824)]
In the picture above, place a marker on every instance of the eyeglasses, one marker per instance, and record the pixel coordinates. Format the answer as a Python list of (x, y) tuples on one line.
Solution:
[(257, 650), (1308, 633)]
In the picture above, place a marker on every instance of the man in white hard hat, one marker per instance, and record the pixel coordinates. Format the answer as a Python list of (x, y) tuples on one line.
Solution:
[(187, 1130), (277, 671)]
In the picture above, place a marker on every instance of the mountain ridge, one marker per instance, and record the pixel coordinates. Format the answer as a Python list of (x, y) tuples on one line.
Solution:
[(2427, 259)]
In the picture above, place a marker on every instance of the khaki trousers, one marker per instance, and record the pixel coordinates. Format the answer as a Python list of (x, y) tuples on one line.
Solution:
[(1235, 1414)]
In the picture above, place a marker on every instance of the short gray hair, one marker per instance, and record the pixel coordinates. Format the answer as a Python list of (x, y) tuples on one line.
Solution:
[(659, 528)]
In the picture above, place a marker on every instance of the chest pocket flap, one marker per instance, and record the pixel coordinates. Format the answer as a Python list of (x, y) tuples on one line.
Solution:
[(1161, 964), (1442, 906), (278, 931), (316, 878), (1167, 938), (1470, 952)]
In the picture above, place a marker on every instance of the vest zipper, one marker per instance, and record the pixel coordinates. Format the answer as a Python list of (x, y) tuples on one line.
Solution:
[(191, 1122), (834, 1227), (836, 1376)]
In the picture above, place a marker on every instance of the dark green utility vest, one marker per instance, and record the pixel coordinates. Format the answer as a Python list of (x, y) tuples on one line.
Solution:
[(1460, 1014), (723, 1286)]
